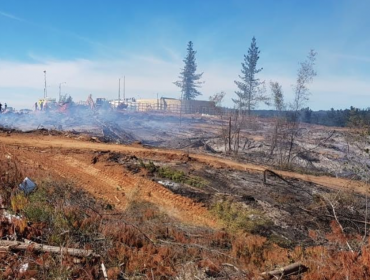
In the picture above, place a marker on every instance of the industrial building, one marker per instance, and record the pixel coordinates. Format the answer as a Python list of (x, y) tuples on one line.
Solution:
[(172, 105)]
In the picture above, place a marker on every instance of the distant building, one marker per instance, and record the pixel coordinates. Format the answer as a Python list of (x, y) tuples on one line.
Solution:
[(173, 105)]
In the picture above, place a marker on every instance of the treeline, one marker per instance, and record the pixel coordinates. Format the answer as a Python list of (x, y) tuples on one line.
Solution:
[(341, 118)]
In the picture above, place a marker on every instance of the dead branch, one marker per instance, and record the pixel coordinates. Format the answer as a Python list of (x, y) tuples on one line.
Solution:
[(232, 266), (6, 245), (314, 148), (337, 220), (104, 271), (289, 270), (331, 216), (275, 174)]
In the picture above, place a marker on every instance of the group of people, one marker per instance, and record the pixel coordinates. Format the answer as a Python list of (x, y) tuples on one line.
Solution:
[(41, 105), (3, 109)]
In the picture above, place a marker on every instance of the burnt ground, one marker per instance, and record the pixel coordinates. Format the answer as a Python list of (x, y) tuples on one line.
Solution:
[(290, 208), (317, 149)]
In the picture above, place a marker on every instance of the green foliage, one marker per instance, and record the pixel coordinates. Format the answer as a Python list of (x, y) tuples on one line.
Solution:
[(37, 213), (174, 175), (250, 88), (38, 209), (181, 177), (237, 217), (189, 80), (352, 117), (151, 167), (195, 181), (59, 209)]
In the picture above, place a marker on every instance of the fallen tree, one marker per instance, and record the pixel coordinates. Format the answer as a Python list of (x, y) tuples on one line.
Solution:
[(289, 270), (6, 246)]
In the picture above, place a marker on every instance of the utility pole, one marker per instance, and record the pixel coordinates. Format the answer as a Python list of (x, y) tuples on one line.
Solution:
[(119, 91), (124, 88), (45, 90)]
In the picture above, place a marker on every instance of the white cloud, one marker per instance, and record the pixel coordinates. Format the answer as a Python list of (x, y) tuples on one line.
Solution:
[(22, 83), (145, 77), (7, 15)]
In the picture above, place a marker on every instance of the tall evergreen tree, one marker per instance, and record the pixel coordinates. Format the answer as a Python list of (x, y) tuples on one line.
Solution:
[(189, 80), (250, 89)]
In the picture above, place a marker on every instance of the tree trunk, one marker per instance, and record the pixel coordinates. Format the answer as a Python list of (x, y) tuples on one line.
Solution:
[(292, 269), (22, 246), (230, 134)]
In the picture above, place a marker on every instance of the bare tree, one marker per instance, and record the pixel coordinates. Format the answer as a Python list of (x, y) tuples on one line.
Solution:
[(279, 105), (217, 98), (286, 127), (306, 73), (231, 134), (358, 156)]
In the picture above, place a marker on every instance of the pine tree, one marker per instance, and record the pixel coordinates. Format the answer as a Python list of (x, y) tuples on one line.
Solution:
[(250, 89), (189, 80)]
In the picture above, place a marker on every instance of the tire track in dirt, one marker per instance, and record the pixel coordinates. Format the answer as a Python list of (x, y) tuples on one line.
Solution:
[(119, 188)]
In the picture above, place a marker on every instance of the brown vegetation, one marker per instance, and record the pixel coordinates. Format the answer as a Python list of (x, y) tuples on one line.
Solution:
[(139, 229)]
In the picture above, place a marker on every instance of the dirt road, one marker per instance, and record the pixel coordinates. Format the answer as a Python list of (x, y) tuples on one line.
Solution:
[(63, 143), (71, 159)]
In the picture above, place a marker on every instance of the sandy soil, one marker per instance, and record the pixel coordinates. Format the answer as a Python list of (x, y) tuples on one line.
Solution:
[(72, 159)]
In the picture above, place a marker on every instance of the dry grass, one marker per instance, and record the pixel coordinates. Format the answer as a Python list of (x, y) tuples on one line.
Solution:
[(142, 242)]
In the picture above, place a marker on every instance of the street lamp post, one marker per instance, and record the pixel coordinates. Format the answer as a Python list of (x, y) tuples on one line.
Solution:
[(60, 90), (124, 88), (119, 89)]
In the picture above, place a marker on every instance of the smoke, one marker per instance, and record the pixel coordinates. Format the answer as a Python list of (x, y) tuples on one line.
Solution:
[(113, 126)]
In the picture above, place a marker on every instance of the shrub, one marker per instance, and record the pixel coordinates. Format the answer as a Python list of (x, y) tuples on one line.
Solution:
[(237, 217), (181, 177)]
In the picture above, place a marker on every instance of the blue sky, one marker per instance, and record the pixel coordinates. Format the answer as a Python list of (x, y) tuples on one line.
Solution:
[(91, 44)]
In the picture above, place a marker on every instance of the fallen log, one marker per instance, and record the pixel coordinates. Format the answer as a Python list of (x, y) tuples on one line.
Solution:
[(6, 245), (289, 270)]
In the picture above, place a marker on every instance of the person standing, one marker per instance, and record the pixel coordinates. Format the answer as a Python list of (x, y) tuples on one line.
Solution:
[(36, 106), (5, 107), (1, 108)]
